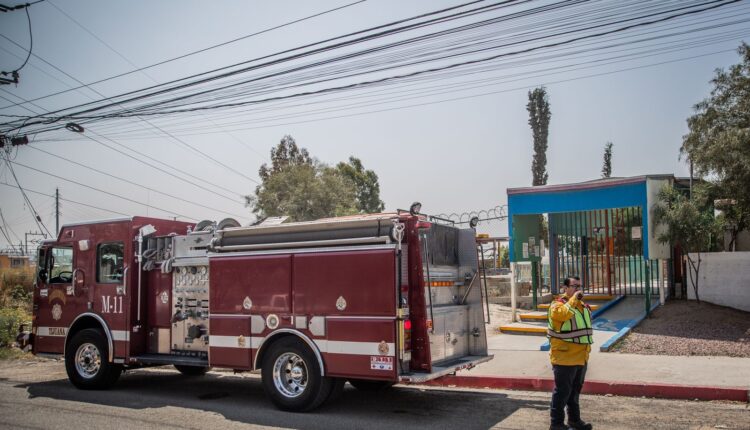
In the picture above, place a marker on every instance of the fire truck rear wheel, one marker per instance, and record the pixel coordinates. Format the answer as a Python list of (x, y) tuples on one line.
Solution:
[(87, 361), (291, 376), (191, 370), (370, 385)]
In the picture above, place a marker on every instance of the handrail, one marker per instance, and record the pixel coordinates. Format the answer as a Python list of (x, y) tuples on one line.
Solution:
[(73, 281), (125, 281), (484, 277), (312, 243), (429, 284)]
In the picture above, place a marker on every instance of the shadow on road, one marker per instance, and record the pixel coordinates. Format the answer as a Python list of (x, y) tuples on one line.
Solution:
[(243, 400)]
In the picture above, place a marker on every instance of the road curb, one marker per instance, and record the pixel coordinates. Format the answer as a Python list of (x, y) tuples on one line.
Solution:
[(628, 389)]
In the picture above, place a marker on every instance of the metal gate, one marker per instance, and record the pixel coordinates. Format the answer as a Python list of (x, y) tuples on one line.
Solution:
[(605, 249)]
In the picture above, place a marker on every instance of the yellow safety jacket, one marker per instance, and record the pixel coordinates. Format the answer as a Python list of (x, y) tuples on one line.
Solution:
[(570, 332)]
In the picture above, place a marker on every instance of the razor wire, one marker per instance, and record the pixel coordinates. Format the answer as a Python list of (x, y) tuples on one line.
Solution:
[(497, 213)]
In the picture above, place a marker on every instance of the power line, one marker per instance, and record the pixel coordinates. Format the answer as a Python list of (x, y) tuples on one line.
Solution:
[(308, 53), (443, 89), (143, 161), (191, 147), (101, 172), (100, 190), (35, 214), (483, 94), (31, 46), (407, 75), (140, 69), (66, 200), (6, 228), (4, 8), (686, 10), (140, 160)]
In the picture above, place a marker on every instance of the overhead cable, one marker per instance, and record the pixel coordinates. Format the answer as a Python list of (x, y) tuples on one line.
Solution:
[(99, 190)]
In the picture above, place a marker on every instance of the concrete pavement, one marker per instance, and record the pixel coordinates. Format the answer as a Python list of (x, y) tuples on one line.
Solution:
[(519, 363)]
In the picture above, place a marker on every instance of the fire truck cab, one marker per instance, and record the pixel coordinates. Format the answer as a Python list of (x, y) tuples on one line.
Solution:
[(372, 299)]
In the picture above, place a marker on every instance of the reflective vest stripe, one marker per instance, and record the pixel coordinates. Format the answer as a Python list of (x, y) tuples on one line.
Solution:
[(577, 329), (572, 334)]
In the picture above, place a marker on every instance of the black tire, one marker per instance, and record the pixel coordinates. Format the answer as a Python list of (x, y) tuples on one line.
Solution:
[(87, 361), (291, 376), (337, 388), (191, 370), (371, 385)]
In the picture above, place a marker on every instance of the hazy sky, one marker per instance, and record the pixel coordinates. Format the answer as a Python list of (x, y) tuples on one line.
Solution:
[(453, 156)]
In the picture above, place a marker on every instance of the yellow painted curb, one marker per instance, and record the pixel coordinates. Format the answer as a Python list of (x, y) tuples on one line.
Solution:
[(535, 330), (546, 306), (533, 317), (594, 297)]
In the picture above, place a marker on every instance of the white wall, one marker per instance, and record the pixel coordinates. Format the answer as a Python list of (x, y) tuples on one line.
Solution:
[(724, 279), (743, 241)]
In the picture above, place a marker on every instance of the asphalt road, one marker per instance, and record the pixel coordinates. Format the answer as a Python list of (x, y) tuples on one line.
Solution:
[(36, 395)]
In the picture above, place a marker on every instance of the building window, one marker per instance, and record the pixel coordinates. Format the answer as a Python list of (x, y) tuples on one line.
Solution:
[(109, 262), (16, 263)]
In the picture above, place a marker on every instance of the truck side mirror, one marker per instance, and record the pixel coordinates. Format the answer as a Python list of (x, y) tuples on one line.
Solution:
[(42, 276)]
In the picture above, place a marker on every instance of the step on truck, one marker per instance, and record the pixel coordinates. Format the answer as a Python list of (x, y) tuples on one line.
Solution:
[(374, 300)]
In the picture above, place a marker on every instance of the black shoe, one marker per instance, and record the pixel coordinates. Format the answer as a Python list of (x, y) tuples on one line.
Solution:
[(580, 425), (558, 427)]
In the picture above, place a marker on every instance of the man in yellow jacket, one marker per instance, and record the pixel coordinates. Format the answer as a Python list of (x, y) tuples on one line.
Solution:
[(570, 336)]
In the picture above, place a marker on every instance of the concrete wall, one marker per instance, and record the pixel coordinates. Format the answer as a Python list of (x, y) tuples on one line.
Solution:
[(724, 279), (743, 241)]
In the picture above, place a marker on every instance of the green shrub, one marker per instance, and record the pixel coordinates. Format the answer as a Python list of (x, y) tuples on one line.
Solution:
[(10, 320), (16, 288)]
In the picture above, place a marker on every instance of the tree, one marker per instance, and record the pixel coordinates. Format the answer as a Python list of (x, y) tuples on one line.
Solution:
[(286, 153), (298, 186), (607, 166), (718, 141), (304, 193), (504, 257), (539, 116), (365, 183), (688, 222)]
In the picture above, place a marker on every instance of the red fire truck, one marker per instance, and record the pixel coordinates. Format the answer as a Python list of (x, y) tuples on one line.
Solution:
[(373, 300)]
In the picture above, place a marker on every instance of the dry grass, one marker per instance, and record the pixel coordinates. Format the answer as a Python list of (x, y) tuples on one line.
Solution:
[(688, 328)]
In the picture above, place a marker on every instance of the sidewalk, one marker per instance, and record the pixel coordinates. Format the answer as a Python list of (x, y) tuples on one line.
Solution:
[(704, 378), (519, 364)]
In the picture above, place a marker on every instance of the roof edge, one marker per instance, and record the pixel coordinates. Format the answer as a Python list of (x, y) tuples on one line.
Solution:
[(598, 183)]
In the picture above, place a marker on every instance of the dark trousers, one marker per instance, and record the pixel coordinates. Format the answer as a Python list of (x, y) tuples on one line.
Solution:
[(568, 385)]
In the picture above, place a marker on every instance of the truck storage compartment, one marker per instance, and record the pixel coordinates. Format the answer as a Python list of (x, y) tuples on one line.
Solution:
[(453, 295), (449, 337)]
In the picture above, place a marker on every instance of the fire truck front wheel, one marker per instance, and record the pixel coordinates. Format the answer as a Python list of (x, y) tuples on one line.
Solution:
[(87, 361), (291, 376)]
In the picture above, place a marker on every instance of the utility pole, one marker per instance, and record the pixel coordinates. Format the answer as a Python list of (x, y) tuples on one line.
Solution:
[(57, 210)]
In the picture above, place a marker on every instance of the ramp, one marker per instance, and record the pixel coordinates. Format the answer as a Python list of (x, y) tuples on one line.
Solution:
[(611, 319), (628, 312)]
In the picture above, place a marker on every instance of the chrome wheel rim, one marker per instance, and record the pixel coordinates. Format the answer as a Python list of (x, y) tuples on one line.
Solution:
[(88, 360), (290, 375)]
